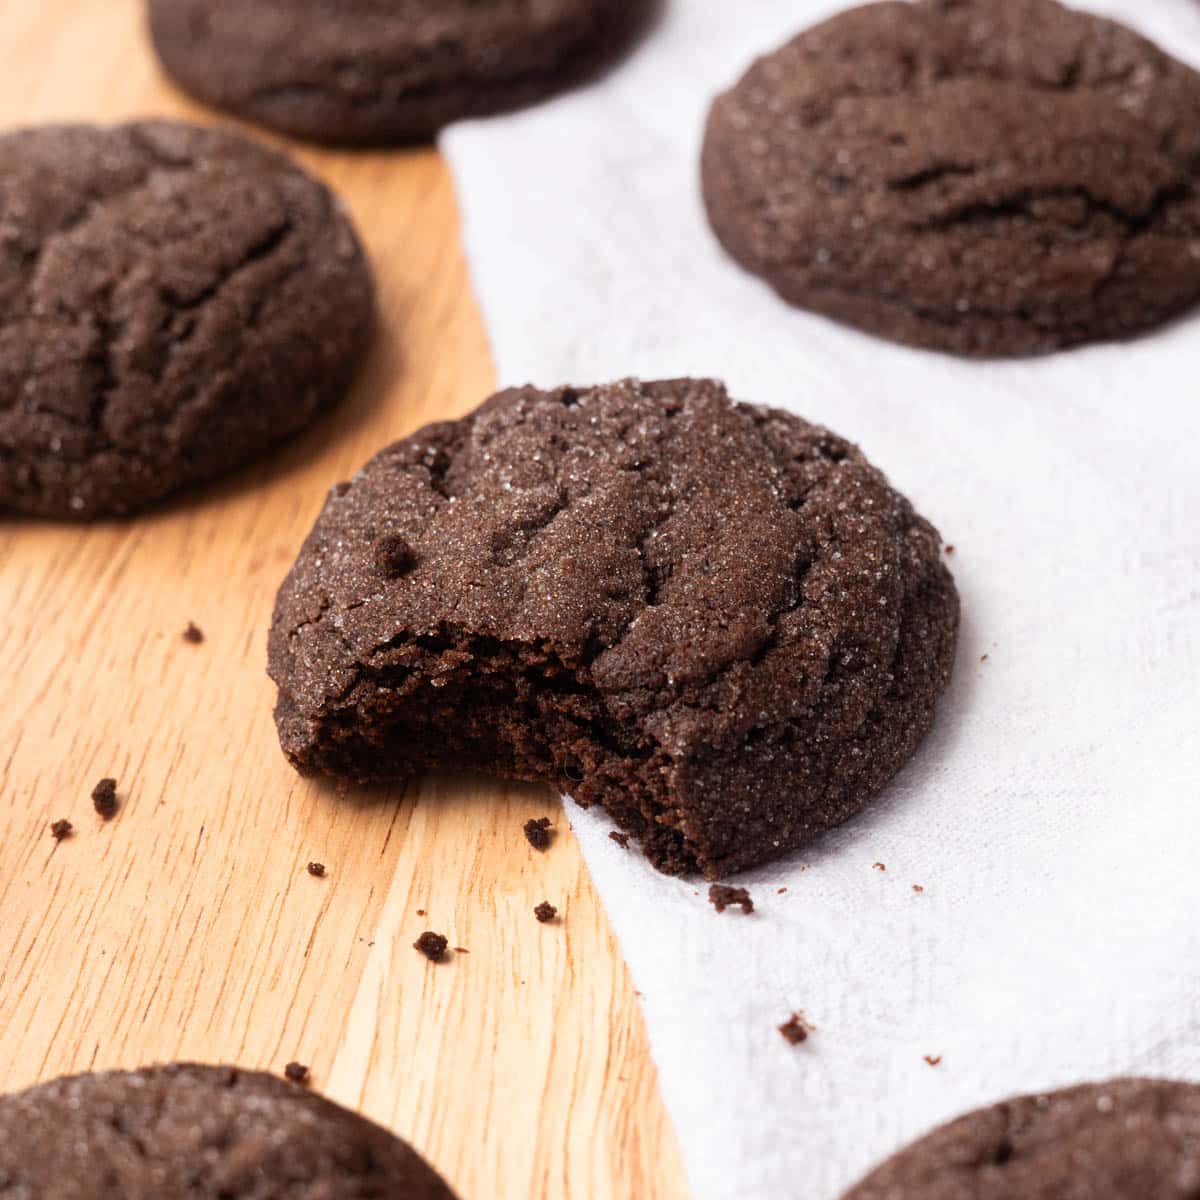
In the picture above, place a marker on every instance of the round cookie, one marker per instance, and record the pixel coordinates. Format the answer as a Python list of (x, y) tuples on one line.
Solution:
[(987, 177), (717, 621), (379, 71), (174, 301), (1131, 1139), (184, 1131)]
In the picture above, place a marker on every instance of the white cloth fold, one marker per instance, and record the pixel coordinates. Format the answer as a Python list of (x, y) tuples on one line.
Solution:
[(1053, 816)]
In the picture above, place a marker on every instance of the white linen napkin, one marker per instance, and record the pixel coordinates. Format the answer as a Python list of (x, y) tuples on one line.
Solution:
[(1053, 816)]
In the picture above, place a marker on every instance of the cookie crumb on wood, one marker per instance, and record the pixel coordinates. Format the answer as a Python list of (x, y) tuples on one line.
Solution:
[(622, 839), (461, 950), (61, 829), (316, 869), (795, 1029), (432, 945), (296, 1072), (420, 912), (104, 798), (722, 897), (193, 633), (545, 912), (538, 833), (933, 1059)]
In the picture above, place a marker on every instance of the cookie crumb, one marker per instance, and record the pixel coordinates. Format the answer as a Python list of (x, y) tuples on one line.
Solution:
[(918, 888), (950, 550), (61, 829), (722, 897), (781, 891), (933, 1059), (461, 950), (983, 658), (393, 556), (622, 839), (545, 912), (296, 1072), (795, 1029), (104, 798), (879, 866), (538, 833), (193, 633), (420, 912), (432, 945), (317, 869)]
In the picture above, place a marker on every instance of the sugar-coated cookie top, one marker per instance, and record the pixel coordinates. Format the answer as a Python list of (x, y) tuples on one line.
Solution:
[(981, 176), (185, 1132), (1129, 1139)]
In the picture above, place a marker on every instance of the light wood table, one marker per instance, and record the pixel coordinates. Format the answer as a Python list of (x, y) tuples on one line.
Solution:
[(188, 927)]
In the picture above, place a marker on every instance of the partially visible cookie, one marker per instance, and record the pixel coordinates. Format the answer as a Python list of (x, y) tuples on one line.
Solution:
[(717, 621), (987, 177), (377, 71), (186, 1132), (174, 301), (1130, 1139)]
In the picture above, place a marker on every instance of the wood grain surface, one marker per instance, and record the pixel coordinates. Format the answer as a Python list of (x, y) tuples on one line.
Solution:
[(188, 928)]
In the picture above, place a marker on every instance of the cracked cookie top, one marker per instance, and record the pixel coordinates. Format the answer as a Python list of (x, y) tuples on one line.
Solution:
[(173, 301), (1130, 1139), (986, 177), (721, 583), (381, 70), (185, 1130)]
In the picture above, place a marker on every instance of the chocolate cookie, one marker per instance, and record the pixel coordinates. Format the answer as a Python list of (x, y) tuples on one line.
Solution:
[(381, 70), (987, 177), (717, 621), (1131, 1139), (173, 302), (198, 1132)]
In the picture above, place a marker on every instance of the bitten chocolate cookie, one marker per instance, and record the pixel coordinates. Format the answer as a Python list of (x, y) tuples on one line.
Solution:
[(173, 302), (213, 1133), (381, 70), (717, 621), (1131, 1139), (988, 177)]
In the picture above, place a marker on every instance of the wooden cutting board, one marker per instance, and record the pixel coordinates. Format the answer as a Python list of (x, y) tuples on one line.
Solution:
[(188, 928)]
